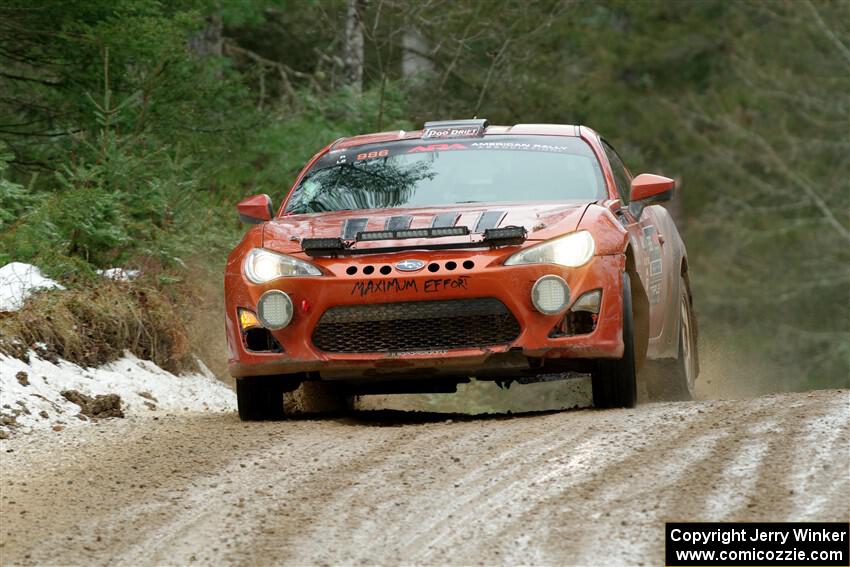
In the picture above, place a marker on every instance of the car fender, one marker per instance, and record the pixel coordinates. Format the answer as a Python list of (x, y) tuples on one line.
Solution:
[(234, 292), (608, 234), (666, 344)]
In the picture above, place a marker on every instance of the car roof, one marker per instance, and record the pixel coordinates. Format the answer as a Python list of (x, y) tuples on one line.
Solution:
[(516, 129)]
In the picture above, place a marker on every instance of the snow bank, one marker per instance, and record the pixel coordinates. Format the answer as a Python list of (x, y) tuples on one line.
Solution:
[(30, 392), (18, 281)]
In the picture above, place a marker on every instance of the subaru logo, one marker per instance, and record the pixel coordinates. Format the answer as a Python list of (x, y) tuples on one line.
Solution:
[(410, 265)]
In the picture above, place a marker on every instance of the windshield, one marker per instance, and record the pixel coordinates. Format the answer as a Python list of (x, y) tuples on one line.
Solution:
[(415, 173)]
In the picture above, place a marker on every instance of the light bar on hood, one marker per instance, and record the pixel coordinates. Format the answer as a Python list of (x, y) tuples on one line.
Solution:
[(322, 246), (505, 236), (434, 232)]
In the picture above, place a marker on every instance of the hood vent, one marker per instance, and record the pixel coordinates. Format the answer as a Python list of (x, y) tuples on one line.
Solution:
[(398, 223), (488, 220), (352, 227), (444, 220)]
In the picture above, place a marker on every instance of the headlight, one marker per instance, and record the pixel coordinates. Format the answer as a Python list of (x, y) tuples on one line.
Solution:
[(262, 266), (573, 250)]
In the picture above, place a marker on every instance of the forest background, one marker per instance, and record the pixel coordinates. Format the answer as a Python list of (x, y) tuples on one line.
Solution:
[(130, 128)]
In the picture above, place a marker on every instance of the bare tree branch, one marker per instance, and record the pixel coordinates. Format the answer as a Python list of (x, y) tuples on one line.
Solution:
[(843, 49)]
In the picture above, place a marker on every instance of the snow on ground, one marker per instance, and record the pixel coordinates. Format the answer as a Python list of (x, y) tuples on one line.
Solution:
[(30, 392), (18, 281), (119, 274)]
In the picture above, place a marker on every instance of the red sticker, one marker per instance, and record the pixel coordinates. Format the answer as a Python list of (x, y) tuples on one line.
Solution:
[(437, 148)]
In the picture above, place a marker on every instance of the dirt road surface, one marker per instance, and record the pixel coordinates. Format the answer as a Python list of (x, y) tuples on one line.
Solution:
[(575, 487)]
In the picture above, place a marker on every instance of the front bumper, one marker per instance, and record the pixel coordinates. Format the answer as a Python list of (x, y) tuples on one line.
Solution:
[(510, 284)]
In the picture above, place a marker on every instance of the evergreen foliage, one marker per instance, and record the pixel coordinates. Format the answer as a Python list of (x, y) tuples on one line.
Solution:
[(129, 129)]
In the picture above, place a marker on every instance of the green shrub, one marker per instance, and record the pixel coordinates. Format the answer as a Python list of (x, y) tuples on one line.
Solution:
[(94, 324)]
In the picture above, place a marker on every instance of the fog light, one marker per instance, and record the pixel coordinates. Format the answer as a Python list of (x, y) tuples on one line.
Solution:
[(275, 310), (550, 295), (588, 302)]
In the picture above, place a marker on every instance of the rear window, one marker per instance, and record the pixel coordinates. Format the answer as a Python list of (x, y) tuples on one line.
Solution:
[(416, 173)]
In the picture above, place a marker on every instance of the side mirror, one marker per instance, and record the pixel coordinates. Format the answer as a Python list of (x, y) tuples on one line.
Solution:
[(256, 209), (652, 188)]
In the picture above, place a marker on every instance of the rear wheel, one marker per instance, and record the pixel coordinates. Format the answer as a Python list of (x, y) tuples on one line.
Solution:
[(259, 398), (614, 383)]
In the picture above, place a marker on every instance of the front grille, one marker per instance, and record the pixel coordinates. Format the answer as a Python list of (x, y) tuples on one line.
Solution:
[(416, 325)]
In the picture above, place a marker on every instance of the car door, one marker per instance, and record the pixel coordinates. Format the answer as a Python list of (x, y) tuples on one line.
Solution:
[(646, 241)]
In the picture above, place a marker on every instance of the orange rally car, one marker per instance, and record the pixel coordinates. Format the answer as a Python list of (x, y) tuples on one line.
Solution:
[(412, 261)]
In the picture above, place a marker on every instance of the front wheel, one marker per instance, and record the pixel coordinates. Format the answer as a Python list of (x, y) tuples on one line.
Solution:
[(614, 384), (259, 398), (685, 372)]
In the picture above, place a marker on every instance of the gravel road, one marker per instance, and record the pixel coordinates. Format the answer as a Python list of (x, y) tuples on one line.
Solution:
[(573, 487)]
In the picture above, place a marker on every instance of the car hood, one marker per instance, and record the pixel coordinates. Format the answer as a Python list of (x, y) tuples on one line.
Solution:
[(541, 220)]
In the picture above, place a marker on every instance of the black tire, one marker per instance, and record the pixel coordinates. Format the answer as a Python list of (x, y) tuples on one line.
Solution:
[(679, 384), (259, 398), (614, 381), (673, 380)]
